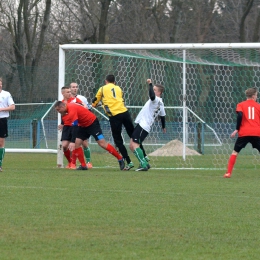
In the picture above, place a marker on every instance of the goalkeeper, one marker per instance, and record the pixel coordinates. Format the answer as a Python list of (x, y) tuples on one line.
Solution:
[(111, 97)]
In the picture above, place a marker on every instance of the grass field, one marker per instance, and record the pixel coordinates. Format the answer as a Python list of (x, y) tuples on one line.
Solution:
[(51, 213)]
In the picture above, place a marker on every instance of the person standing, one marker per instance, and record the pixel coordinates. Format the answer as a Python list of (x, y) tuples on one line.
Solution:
[(153, 108), (67, 129), (74, 92), (247, 127), (6, 105), (111, 97), (87, 124)]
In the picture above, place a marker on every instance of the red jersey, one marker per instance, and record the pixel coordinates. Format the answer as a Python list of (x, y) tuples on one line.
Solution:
[(73, 100), (250, 125), (76, 112)]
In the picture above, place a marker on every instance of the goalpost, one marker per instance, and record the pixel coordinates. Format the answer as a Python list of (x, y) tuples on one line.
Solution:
[(203, 83)]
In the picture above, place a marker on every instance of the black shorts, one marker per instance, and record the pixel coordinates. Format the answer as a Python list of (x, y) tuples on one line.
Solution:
[(241, 142), (66, 133), (139, 134), (94, 129), (119, 120), (3, 127)]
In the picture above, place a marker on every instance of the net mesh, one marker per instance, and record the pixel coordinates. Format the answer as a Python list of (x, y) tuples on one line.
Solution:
[(214, 81), (32, 126)]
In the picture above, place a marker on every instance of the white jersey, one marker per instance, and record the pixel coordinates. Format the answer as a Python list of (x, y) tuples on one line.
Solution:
[(6, 100), (84, 100), (149, 113)]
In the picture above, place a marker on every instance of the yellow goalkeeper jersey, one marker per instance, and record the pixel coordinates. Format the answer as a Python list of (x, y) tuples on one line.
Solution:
[(112, 100)]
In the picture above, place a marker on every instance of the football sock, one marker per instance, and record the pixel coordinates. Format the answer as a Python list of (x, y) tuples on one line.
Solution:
[(124, 153), (231, 163), (141, 146), (2, 154), (140, 156), (111, 149), (67, 155), (87, 154), (80, 155)]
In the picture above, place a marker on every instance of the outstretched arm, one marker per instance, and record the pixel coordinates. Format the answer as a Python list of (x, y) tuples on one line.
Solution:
[(151, 92), (97, 98)]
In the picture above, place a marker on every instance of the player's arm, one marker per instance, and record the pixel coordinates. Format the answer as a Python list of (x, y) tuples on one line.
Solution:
[(239, 121), (97, 98), (151, 92), (163, 123), (9, 108)]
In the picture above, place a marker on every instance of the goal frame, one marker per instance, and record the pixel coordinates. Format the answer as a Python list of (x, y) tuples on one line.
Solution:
[(182, 47)]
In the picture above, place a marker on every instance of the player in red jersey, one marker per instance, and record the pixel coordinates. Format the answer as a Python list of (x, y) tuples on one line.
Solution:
[(74, 93), (248, 127), (67, 130), (76, 115)]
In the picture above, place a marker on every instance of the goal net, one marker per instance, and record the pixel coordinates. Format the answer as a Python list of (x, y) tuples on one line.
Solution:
[(32, 128), (203, 83)]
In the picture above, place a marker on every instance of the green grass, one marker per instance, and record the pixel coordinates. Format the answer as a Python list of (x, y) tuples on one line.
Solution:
[(51, 213)]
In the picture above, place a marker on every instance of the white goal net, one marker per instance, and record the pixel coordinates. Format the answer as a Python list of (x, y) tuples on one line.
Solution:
[(203, 83)]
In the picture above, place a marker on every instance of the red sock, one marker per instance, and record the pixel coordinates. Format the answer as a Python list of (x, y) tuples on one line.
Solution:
[(80, 155), (111, 149), (231, 163), (73, 157), (67, 155)]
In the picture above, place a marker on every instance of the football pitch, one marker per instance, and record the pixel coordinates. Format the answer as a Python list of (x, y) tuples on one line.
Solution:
[(51, 213)]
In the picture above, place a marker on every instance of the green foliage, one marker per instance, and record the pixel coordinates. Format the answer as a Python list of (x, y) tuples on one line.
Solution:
[(51, 213)]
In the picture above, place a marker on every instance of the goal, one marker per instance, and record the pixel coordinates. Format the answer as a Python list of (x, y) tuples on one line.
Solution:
[(32, 128), (203, 83)]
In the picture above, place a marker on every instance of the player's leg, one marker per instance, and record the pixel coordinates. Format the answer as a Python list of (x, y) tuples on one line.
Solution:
[(78, 153), (95, 130), (66, 151), (138, 137), (129, 127), (241, 142), (65, 141), (116, 129), (87, 153), (2, 152), (3, 135)]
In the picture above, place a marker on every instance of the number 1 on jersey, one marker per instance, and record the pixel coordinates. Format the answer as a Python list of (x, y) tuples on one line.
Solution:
[(114, 93)]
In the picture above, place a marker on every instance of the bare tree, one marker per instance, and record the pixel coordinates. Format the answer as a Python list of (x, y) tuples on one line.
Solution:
[(80, 21), (26, 22)]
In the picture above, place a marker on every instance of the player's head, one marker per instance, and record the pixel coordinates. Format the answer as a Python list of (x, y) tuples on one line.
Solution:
[(60, 107), (251, 93), (1, 82), (110, 79), (66, 92), (158, 89), (74, 88)]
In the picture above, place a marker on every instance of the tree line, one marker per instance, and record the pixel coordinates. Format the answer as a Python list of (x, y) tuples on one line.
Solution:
[(31, 31)]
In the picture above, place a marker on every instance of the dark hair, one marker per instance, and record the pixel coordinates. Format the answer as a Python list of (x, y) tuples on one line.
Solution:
[(59, 104), (65, 87), (110, 78)]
